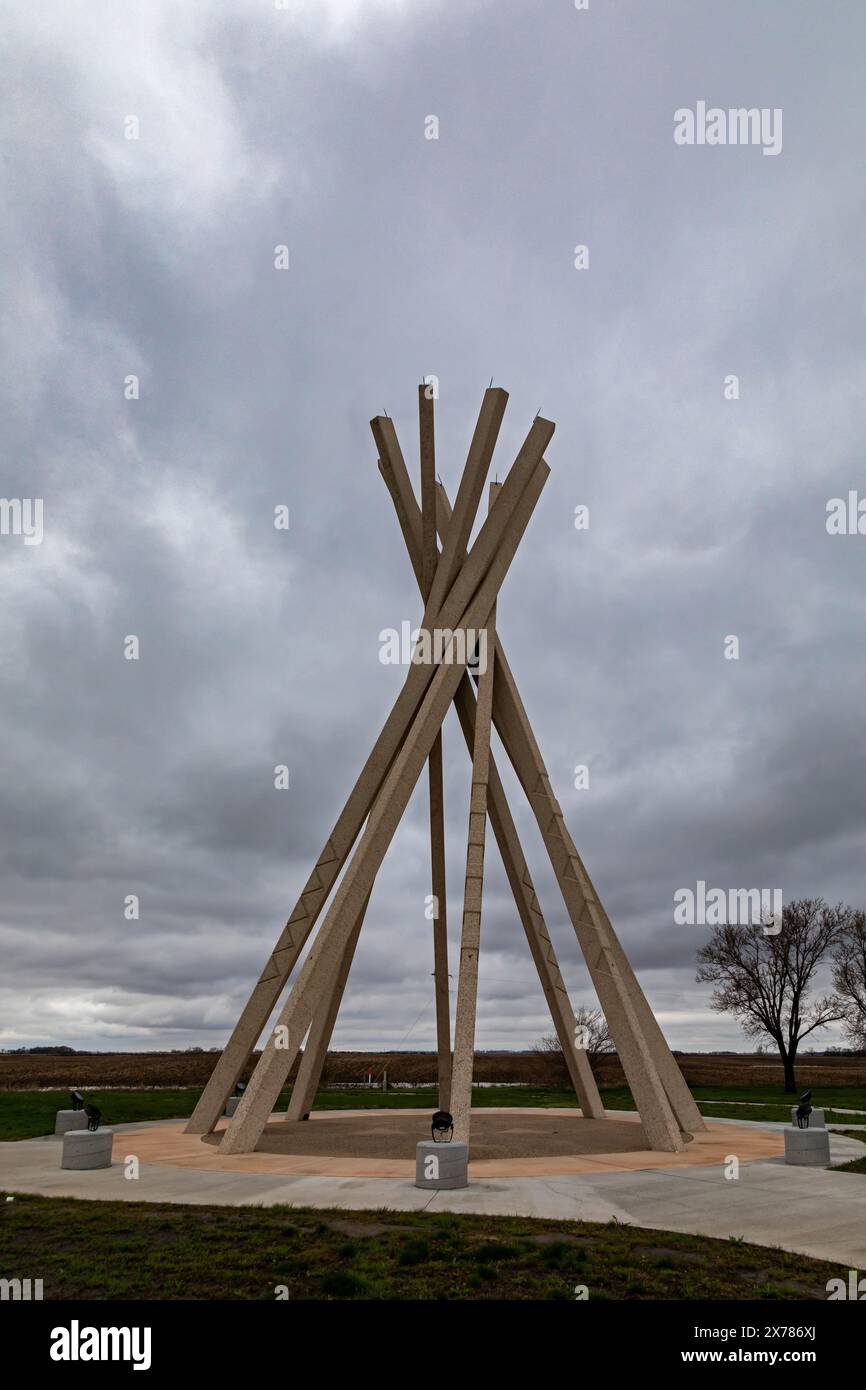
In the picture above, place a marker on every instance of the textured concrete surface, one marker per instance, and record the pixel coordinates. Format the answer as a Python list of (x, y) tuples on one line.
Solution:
[(87, 1149), (435, 777), (441, 1167), (319, 1040), (67, 1120), (808, 1148), (815, 1212), (463, 1060)]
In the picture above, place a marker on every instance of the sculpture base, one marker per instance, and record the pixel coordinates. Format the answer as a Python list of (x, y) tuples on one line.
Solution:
[(87, 1148), (67, 1120), (807, 1148), (441, 1167)]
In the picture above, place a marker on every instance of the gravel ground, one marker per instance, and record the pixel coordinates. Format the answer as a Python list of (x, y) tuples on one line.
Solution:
[(494, 1135)]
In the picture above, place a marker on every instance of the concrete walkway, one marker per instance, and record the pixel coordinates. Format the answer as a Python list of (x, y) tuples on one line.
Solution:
[(810, 1211)]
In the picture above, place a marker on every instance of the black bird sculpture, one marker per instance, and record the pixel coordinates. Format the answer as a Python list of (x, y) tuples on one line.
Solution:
[(442, 1127), (804, 1110)]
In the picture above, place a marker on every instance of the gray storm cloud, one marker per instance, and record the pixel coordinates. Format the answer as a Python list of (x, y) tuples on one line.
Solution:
[(154, 257)]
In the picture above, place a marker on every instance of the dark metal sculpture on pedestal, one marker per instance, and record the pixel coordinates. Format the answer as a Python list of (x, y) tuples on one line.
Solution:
[(442, 1127)]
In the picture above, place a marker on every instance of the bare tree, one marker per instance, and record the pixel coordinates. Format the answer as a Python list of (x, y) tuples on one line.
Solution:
[(849, 975), (764, 978), (591, 1033)]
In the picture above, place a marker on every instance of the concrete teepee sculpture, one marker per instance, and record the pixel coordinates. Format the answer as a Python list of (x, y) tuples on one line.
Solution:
[(459, 586)]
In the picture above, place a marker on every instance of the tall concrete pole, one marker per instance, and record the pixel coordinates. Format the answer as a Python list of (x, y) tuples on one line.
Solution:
[(473, 890), (319, 1039), (434, 765)]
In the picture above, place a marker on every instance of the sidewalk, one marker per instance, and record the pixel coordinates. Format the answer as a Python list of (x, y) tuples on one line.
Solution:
[(810, 1211)]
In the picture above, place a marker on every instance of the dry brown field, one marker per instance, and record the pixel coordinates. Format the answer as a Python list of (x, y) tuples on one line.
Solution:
[(141, 1069)]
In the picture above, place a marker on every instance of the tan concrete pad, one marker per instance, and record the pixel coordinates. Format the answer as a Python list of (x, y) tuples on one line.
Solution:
[(170, 1145)]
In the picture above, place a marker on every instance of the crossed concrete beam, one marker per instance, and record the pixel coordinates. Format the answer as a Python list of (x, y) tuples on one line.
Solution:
[(466, 609), (303, 917), (392, 466), (666, 1105), (412, 523)]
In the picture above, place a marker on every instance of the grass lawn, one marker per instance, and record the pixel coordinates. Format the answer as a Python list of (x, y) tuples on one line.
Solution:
[(130, 1250), (850, 1097), (857, 1165), (26, 1114), (755, 1102), (774, 1104)]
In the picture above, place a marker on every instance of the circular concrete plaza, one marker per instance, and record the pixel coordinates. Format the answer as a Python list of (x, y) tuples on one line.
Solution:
[(504, 1143)]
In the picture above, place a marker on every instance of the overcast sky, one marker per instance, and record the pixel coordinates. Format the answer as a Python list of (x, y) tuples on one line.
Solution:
[(260, 127)]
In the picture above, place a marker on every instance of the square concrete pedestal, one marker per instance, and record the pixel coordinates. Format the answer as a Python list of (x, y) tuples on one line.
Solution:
[(68, 1120), (816, 1119), (441, 1167), (87, 1148), (807, 1148)]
